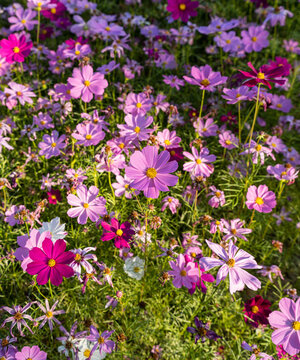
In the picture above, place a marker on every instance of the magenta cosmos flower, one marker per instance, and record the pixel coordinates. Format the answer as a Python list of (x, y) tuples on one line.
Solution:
[(151, 171), (15, 49), (122, 233), (51, 144), (200, 162), (205, 78), (233, 263), (287, 324), (85, 83), (182, 9), (260, 199), (51, 262), (32, 353), (87, 204)]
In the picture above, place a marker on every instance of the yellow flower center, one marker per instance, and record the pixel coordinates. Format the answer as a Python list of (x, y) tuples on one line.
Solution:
[(218, 222), (255, 309), (19, 93), (53, 11), (258, 147), (167, 142), (140, 233), (170, 200), (121, 146), (256, 351), (18, 316), (77, 52), (261, 75), (53, 144), (238, 95), (16, 50), (87, 83), (205, 82), (296, 325), (228, 142), (233, 231), (183, 273), (279, 106), (204, 129), (193, 255), (254, 39), (85, 205), (172, 153), (259, 201), (107, 271), (49, 314), (284, 173), (218, 194), (51, 263), (77, 257), (137, 129), (151, 173), (87, 353), (138, 105), (119, 232), (228, 41), (182, 7), (53, 197), (126, 186), (198, 161), (23, 21), (231, 262), (101, 340), (43, 122), (88, 137), (107, 28)]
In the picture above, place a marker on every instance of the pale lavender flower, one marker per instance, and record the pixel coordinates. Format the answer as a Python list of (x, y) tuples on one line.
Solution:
[(23, 19), (81, 260), (173, 81), (122, 186), (259, 152), (19, 92), (235, 230), (206, 127), (170, 202), (255, 38), (282, 216), (52, 144), (217, 197), (205, 78), (49, 314), (17, 317), (272, 272), (101, 341)]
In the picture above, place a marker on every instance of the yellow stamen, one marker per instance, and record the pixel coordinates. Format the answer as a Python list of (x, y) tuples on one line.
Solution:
[(85, 205), (151, 173), (259, 201), (231, 262), (119, 232), (51, 263)]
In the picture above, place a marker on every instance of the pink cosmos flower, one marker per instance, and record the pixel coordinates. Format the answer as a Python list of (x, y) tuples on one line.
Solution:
[(137, 104), (15, 49), (234, 229), (205, 78), (287, 325), (85, 83), (255, 38), (283, 173), (88, 134), (239, 94), (123, 186), (260, 199), (217, 199), (20, 92), (173, 81), (206, 127), (233, 263), (185, 273), (259, 152), (81, 260), (151, 171), (227, 140), (23, 19), (168, 139), (87, 204), (33, 353), (50, 262), (182, 9), (136, 127), (51, 144), (170, 202), (200, 164), (4, 143)]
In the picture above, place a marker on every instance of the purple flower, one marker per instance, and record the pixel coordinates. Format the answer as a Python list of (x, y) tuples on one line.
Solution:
[(136, 127), (4, 143), (81, 260), (123, 186), (32, 353), (255, 38), (170, 202), (85, 83), (137, 104), (51, 144), (101, 341), (202, 331), (184, 273), (88, 134), (20, 92), (218, 25), (239, 94), (234, 230), (260, 199), (200, 164), (17, 317), (173, 81), (205, 78), (43, 121), (276, 144), (182, 9), (256, 352), (281, 103), (218, 197), (206, 127), (49, 314), (50, 262), (287, 325), (258, 151), (151, 171), (283, 216), (283, 173), (233, 263), (87, 204), (168, 139), (227, 140), (277, 15), (228, 41), (23, 19)]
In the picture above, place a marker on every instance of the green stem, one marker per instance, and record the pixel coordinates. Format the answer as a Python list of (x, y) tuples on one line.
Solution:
[(50, 288), (38, 27), (112, 189), (240, 125), (255, 114), (201, 108), (39, 291)]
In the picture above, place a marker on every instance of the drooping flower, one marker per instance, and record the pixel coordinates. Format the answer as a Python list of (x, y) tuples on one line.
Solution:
[(50, 262), (260, 199), (121, 233), (183, 9), (86, 204), (205, 78), (287, 325), (151, 171), (15, 48), (202, 331), (258, 310), (256, 353), (233, 264)]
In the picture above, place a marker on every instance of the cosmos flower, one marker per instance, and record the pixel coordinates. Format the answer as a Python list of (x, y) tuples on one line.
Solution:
[(88, 134), (17, 317), (260, 199), (256, 353), (49, 314), (217, 197), (183, 9), (134, 267), (258, 310), (202, 331), (15, 49), (121, 233), (200, 164), (101, 341), (52, 144), (255, 38), (33, 353), (205, 78), (184, 273), (56, 229)]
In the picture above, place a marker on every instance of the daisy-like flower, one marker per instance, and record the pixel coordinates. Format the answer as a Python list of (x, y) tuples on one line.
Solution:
[(17, 317), (281, 103), (136, 127), (85, 350), (228, 140), (259, 152), (86, 204), (23, 19), (81, 260), (258, 310), (173, 81), (137, 104), (56, 230), (15, 48), (217, 197), (4, 143), (255, 38), (49, 314), (151, 171), (205, 78), (122, 186), (88, 134), (256, 353), (272, 272), (190, 240), (134, 267), (121, 233), (183, 9), (168, 139), (101, 341), (200, 164), (70, 341), (52, 144), (260, 199), (282, 216), (30, 353), (20, 92), (234, 230), (206, 127), (202, 331), (233, 264), (287, 325), (170, 202), (85, 83), (184, 273), (241, 93), (283, 173)]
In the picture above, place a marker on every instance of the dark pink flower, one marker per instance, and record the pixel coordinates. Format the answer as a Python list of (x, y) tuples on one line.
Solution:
[(54, 196), (122, 233), (182, 9), (15, 49)]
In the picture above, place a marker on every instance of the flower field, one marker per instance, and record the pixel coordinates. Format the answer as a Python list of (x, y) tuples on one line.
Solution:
[(149, 196)]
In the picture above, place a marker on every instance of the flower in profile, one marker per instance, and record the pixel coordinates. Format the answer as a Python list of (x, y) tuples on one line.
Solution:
[(258, 310), (31, 353), (85, 83), (121, 233), (264, 75), (283, 173), (151, 171), (17, 317), (233, 263), (184, 273), (272, 272), (49, 314), (205, 78), (15, 48), (260, 199), (287, 325), (101, 341), (202, 331), (50, 262), (134, 267), (200, 164), (183, 9), (217, 199), (255, 38), (51, 144), (87, 204), (256, 353)]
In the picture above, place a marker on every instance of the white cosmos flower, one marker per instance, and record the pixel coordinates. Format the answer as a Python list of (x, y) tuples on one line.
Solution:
[(57, 230), (134, 267), (85, 348)]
